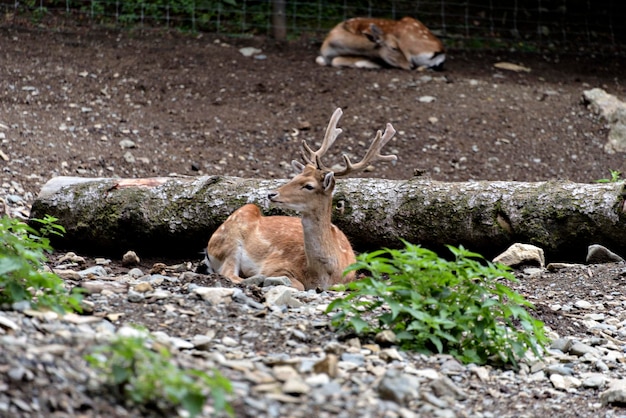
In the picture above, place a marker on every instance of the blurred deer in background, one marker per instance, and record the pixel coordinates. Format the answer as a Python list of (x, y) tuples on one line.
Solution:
[(371, 43), (311, 251)]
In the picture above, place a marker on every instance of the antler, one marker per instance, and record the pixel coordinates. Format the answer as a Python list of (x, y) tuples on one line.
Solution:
[(372, 154), (332, 132)]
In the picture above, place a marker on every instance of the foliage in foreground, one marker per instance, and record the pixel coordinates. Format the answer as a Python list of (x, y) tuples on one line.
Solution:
[(616, 176), (149, 377), (433, 305), (22, 257)]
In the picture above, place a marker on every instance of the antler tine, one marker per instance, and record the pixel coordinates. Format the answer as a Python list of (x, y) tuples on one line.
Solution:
[(372, 154), (332, 132)]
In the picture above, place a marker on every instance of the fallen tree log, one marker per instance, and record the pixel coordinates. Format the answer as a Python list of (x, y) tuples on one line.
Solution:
[(176, 216)]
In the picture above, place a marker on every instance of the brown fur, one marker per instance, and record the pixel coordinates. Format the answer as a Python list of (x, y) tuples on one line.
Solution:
[(366, 42)]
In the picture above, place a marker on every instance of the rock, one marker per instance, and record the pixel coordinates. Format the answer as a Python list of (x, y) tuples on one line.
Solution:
[(509, 66), (580, 349), (561, 382), (398, 387), (93, 272), (282, 296), (130, 258), (215, 295), (445, 387), (296, 386), (562, 344), (6, 323), (143, 287), (386, 337), (328, 365), (426, 99), (249, 51), (594, 381), (521, 254), (613, 111), (72, 258), (127, 144), (597, 254), (582, 304), (615, 394)]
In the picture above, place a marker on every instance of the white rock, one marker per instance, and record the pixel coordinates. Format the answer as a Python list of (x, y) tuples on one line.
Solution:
[(281, 296), (8, 324), (426, 99), (518, 254), (215, 295), (249, 51)]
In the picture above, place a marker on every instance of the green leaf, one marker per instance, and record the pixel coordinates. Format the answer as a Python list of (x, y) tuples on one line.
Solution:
[(358, 324)]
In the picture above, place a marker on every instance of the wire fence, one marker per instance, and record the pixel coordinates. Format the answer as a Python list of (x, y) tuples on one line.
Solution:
[(579, 25)]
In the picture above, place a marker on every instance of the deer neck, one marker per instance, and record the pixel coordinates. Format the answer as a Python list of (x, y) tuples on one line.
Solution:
[(318, 239)]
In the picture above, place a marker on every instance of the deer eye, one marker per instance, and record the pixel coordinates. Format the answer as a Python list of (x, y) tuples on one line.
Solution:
[(308, 187)]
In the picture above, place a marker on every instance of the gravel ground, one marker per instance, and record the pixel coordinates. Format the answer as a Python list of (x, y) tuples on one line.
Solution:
[(127, 104)]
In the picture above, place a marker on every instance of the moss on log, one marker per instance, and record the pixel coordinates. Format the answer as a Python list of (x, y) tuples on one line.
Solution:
[(176, 216)]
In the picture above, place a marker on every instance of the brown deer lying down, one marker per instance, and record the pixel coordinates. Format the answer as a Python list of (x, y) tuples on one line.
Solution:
[(372, 43), (311, 251)]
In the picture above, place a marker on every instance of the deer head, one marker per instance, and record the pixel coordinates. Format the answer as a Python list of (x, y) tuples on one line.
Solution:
[(311, 190)]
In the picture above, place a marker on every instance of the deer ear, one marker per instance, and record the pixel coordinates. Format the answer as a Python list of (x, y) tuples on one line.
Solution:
[(297, 165), (374, 34), (329, 180)]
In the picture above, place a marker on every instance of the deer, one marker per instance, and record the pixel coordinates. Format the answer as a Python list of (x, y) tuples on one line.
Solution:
[(373, 43), (310, 251)]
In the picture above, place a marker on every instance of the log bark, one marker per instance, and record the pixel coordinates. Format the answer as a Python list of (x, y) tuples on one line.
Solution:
[(176, 216)]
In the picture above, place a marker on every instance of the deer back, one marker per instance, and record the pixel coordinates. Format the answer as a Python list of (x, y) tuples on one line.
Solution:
[(420, 46)]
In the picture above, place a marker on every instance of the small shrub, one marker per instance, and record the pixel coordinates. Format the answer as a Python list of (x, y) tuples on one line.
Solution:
[(460, 307), (22, 257), (151, 379)]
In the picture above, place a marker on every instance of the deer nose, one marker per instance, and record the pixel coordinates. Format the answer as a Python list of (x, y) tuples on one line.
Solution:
[(272, 195)]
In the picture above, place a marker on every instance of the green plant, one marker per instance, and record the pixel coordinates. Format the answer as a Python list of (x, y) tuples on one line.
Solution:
[(22, 257), (150, 378), (461, 307), (616, 176)]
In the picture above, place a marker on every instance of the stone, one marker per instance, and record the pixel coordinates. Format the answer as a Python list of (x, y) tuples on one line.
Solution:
[(386, 337), (615, 394), (93, 272), (398, 387), (215, 295), (130, 258), (143, 287), (282, 296), (296, 386), (613, 111), (521, 254), (597, 254), (444, 386), (249, 51), (328, 365)]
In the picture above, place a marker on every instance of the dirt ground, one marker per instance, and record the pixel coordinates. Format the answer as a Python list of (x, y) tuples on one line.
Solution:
[(195, 105)]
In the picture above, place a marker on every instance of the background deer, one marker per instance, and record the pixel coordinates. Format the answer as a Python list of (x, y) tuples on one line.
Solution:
[(311, 251), (370, 43)]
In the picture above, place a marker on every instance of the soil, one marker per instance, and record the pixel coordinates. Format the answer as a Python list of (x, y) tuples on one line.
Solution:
[(193, 105)]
